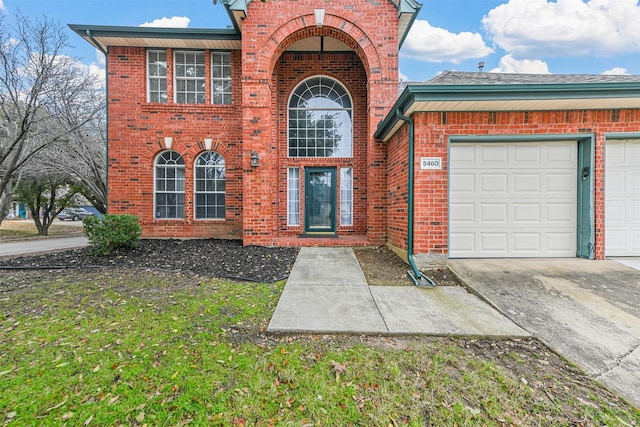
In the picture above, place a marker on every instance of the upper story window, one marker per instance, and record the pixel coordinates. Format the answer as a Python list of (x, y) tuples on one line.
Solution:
[(221, 77), (156, 76), (189, 78), (320, 119)]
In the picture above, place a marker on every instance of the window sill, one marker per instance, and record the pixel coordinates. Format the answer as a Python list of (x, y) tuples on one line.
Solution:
[(173, 107)]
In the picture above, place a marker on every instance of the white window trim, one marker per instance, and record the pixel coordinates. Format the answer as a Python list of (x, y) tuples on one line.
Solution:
[(342, 197), (351, 109), (155, 190), (221, 79), (176, 78), (289, 200), (149, 77), (196, 192)]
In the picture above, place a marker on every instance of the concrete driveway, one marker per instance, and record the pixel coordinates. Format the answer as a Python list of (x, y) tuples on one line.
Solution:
[(587, 311)]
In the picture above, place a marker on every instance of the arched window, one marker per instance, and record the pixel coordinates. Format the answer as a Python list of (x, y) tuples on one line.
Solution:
[(320, 119), (210, 186), (169, 188)]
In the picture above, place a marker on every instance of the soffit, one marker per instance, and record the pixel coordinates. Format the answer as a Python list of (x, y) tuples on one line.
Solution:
[(319, 44)]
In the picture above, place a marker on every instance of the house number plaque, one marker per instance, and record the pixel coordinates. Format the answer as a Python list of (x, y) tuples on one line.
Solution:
[(430, 163)]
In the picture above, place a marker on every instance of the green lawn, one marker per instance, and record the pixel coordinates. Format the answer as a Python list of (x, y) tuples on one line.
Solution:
[(107, 348)]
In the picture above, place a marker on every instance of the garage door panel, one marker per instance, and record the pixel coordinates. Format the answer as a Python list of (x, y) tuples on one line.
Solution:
[(496, 184), (493, 154), (561, 154), (523, 206), (463, 183), (462, 213), (622, 198), (560, 242), (527, 183), (465, 242), (463, 156), (633, 212), (560, 212), (615, 181), (494, 242), (496, 213), (526, 155), (560, 184), (526, 243), (526, 212)]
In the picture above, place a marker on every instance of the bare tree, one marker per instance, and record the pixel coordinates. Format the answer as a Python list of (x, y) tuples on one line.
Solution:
[(45, 97), (81, 158)]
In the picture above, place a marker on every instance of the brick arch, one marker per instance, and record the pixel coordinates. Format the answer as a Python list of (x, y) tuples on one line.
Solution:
[(334, 26)]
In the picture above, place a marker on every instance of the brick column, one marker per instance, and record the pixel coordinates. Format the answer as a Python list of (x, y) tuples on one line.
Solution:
[(258, 182)]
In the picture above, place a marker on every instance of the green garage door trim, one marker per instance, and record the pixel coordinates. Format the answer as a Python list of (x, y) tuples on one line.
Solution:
[(585, 193)]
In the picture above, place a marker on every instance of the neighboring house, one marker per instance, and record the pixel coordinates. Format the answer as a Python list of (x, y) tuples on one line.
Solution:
[(288, 130)]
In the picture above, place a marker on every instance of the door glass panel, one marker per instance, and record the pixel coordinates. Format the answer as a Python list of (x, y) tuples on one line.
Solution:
[(320, 193)]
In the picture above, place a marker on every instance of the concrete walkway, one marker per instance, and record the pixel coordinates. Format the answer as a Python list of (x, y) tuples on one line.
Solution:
[(34, 246), (327, 293)]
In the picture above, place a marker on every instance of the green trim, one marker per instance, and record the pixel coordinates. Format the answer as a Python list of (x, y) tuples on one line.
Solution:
[(622, 135), (586, 207), (519, 138), (153, 32), (307, 186), (503, 92), (409, 7)]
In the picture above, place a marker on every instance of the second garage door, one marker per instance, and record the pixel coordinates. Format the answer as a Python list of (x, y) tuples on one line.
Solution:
[(513, 199), (622, 198)]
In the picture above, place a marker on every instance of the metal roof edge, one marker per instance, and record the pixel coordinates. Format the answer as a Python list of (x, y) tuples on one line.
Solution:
[(155, 32), (497, 92), (414, 10)]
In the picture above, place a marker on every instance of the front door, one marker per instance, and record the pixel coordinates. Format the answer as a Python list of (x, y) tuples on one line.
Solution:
[(320, 200)]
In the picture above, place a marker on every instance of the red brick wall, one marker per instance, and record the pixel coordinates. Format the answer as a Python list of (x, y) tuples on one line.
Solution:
[(136, 136), (262, 80), (346, 68), (431, 140), (269, 29)]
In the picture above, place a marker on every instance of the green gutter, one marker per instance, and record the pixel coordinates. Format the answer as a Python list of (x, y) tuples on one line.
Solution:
[(418, 278)]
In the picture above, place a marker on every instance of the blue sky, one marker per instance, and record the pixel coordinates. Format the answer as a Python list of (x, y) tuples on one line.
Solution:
[(525, 36)]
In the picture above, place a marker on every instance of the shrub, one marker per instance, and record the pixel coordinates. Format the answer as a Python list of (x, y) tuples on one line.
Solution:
[(112, 232)]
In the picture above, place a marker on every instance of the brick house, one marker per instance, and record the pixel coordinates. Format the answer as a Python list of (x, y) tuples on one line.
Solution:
[(287, 129)]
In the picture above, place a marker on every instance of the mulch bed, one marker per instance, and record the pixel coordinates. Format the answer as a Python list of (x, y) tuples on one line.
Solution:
[(203, 257)]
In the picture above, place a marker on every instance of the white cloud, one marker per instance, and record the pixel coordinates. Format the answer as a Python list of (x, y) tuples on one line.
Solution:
[(508, 64), (173, 22), (433, 44), (616, 71), (565, 27), (2, 6)]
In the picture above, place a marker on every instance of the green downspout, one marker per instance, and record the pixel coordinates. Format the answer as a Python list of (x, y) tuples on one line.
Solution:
[(106, 115), (418, 278)]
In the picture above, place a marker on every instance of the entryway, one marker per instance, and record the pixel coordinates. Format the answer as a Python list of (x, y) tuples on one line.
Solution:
[(320, 200)]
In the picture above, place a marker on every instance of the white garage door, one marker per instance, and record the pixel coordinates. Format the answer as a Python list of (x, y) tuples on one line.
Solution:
[(513, 199), (622, 198)]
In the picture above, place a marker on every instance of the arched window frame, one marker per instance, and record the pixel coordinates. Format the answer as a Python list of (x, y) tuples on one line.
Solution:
[(209, 186), (306, 138), (169, 185)]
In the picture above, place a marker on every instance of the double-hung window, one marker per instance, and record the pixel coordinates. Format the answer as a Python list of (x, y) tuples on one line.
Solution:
[(210, 186), (221, 77), (169, 188), (189, 77), (156, 76)]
